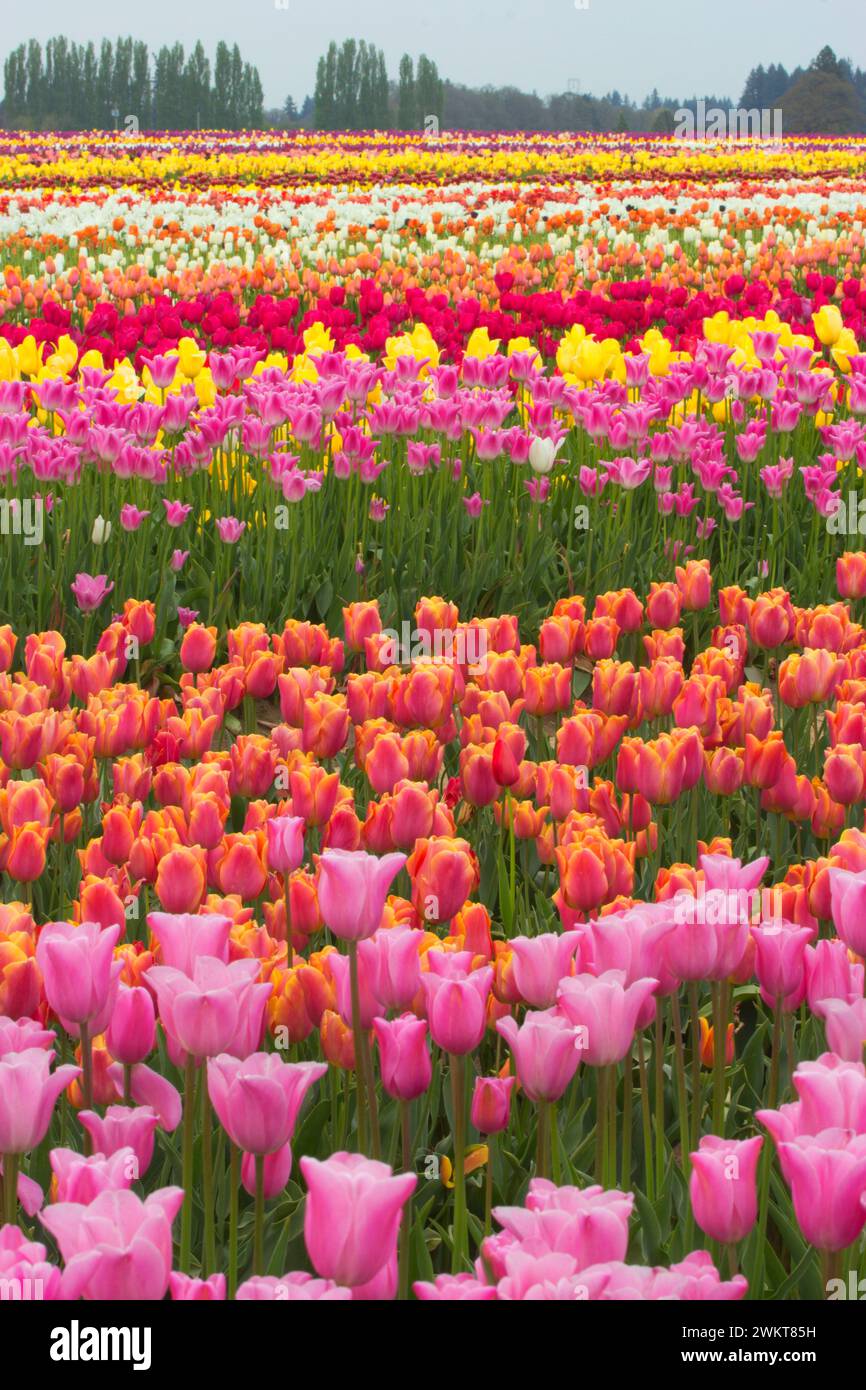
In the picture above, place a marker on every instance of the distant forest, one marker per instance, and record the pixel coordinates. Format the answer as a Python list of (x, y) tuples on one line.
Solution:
[(122, 85)]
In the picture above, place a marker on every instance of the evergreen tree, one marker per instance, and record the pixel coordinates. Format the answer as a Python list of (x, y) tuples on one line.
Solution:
[(407, 106)]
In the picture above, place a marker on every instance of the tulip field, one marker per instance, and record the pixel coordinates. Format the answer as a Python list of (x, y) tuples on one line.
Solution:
[(432, 717)]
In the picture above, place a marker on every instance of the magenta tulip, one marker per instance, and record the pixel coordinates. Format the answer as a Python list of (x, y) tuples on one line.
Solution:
[(78, 971), (285, 843), (131, 1034), (491, 1103), (723, 1187), (28, 1093), (827, 1176), (546, 1052), (540, 962), (404, 1056), (352, 888), (183, 937), (456, 998), (604, 1010), (202, 1014), (848, 907), (131, 1237), (257, 1100), (352, 1217)]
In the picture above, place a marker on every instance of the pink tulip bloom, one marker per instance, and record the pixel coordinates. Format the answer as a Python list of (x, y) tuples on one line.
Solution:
[(831, 975), (81, 1179), (297, 1287), (341, 975), (176, 513), (590, 1224), (540, 962), (780, 963), (605, 1010), (203, 1014), (827, 1176), (28, 1093), (548, 1277), (131, 518), (732, 875), (19, 1034), (546, 1052), (285, 843), (694, 1279), (848, 907), (277, 1169), (183, 937), (404, 1056), (454, 1288), (634, 942), (150, 1088), (456, 1000), (26, 1261), (352, 1217), (131, 1034), (352, 888), (78, 970), (257, 1100), (396, 968), (131, 1237), (845, 1025), (123, 1127), (89, 590), (230, 529), (184, 1289), (723, 1187), (491, 1103)]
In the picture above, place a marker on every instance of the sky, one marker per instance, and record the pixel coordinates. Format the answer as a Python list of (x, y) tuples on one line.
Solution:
[(682, 49)]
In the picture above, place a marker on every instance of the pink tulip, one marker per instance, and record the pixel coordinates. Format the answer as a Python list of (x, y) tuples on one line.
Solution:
[(454, 1288), (150, 1088), (780, 963), (848, 907), (352, 888), (28, 1092), (845, 1025), (122, 1127), (81, 1179), (285, 843), (723, 1187), (694, 1279), (633, 941), (396, 966), (183, 1288), (340, 969), (131, 1237), (131, 1034), (540, 1276), (276, 1171), (352, 1217), (183, 937), (546, 1053), (605, 1010), (257, 1100), (202, 1014), (404, 1056), (25, 1261), (89, 590), (297, 1287), (79, 971), (491, 1103), (20, 1034), (830, 973), (589, 1224), (827, 1176), (539, 963), (732, 875), (456, 1000)]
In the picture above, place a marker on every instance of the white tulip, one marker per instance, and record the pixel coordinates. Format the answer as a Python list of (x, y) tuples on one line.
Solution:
[(542, 454), (101, 531)]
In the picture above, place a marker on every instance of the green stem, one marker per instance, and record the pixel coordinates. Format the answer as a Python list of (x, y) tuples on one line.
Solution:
[(234, 1186), (209, 1247), (360, 1069), (186, 1163), (460, 1252), (259, 1232)]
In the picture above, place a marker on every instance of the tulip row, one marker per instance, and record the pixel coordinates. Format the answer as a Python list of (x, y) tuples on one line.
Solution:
[(327, 993), (210, 475)]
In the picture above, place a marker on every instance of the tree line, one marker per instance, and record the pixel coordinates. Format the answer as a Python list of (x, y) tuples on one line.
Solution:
[(70, 86), (353, 91)]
